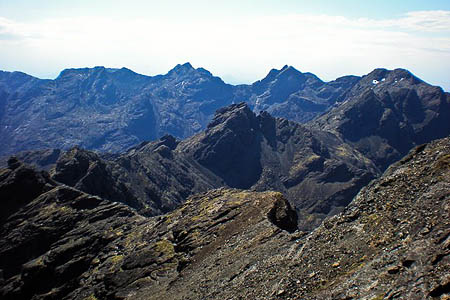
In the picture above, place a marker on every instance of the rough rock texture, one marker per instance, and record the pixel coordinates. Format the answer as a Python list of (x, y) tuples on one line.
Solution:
[(319, 168), (51, 234), (392, 242), (151, 177), (114, 109), (65, 244), (387, 113), (316, 171)]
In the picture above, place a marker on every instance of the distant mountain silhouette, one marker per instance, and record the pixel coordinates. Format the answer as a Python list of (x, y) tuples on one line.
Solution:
[(114, 109)]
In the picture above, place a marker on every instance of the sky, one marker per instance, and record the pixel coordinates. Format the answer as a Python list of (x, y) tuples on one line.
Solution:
[(238, 40)]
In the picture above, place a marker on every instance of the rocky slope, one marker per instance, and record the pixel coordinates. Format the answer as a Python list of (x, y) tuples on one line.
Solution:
[(319, 167), (391, 242), (152, 178), (59, 243), (114, 109), (387, 113), (318, 173)]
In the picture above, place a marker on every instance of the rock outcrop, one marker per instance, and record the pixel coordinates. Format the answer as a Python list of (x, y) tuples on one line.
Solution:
[(318, 173), (391, 242), (60, 243)]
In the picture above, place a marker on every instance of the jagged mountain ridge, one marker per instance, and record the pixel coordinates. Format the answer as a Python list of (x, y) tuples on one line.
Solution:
[(319, 167), (230, 244), (113, 109), (387, 113), (316, 171)]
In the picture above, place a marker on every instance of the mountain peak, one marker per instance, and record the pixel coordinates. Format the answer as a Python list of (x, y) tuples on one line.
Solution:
[(289, 70), (392, 76), (231, 112), (80, 71), (182, 68), (275, 73)]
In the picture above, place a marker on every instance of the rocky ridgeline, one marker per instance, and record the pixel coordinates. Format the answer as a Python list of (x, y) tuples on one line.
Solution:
[(317, 171), (111, 110), (319, 166), (387, 113), (392, 241), (198, 218), (115, 109)]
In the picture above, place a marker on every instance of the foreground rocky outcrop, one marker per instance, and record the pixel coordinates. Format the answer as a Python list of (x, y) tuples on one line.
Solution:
[(391, 242), (60, 243)]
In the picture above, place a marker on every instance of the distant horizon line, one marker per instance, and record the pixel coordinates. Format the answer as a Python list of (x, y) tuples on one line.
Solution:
[(189, 64)]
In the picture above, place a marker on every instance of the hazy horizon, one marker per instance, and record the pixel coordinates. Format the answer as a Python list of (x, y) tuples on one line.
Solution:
[(238, 41)]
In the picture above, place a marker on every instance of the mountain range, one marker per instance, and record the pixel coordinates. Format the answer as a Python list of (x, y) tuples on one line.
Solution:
[(181, 185), (369, 123), (392, 241), (111, 110)]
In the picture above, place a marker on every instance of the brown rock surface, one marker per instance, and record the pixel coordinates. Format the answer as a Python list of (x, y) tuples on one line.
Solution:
[(391, 242)]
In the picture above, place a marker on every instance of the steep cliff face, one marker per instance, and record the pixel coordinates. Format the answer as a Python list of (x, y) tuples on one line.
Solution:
[(392, 241), (387, 113), (316, 171)]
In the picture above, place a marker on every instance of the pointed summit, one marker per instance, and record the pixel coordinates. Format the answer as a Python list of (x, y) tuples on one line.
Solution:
[(275, 73), (182, 68), (290, 70)]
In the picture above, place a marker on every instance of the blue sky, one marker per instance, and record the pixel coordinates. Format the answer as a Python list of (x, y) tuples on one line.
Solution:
[(239, 41)]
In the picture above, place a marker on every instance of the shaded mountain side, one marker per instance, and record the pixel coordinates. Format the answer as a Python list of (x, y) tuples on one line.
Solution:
[(291, 94), (150, 178), (44, 159), (111, 110), (319, 167), (387, 113), (318, 173), (391, 242), (61, 243)]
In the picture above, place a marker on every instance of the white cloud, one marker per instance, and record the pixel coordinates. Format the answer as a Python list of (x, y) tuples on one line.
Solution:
[(244, 47)]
